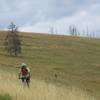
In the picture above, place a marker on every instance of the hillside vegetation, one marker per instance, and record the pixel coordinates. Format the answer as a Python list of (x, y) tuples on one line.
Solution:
[(75, 61)]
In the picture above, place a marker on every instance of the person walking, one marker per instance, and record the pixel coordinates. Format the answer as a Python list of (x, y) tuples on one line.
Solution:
[(24, 74)]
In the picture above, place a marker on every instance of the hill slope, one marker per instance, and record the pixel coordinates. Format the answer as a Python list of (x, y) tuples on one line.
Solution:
[(75, 61)]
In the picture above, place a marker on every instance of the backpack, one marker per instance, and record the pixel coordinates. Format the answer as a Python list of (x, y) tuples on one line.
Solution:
[(24, 71)]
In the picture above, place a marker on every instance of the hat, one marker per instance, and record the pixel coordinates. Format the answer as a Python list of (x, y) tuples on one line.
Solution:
[(23, 65)]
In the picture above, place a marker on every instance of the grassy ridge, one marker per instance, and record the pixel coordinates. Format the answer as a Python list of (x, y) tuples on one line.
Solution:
[(75, 60)]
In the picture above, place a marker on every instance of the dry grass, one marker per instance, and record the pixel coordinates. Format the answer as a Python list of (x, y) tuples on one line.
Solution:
[(38, 90)]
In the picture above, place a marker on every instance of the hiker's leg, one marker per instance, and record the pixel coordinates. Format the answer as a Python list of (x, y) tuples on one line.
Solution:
[(28, 81), (24, 81)]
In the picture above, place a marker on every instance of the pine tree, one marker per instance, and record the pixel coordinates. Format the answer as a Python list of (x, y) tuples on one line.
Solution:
[(12, 40)]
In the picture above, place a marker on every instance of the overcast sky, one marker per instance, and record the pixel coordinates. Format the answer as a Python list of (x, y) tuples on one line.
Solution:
[(40, 15)]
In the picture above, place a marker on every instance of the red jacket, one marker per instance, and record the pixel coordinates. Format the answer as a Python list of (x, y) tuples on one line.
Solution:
[(24, 71)]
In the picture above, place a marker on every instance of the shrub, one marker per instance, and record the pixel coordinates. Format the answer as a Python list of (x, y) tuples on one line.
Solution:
[(5, 97)]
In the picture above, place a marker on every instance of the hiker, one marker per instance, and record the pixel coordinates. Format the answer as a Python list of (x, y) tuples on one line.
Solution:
[(24, 74)]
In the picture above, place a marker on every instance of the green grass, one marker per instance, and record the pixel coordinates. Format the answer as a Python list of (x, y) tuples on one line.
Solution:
[(5, 97), (75, 60)]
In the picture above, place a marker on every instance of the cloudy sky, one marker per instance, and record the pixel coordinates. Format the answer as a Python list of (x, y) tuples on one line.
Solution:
[(41, 15)]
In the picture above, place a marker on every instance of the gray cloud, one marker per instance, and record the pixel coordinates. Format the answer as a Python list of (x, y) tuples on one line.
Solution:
[(36, 13)]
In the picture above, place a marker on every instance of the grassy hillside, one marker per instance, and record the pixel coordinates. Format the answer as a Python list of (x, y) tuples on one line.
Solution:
[(76, 61)]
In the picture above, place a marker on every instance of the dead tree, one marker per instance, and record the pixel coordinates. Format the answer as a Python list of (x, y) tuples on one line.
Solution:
[(73, 30), (52, 31)]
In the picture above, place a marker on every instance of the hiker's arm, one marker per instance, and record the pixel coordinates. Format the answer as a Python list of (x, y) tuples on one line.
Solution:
[(29, 75), (19, 75), (29, 72)]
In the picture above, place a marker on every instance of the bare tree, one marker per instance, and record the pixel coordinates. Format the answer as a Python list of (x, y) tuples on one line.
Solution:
[(73, 30), (56, 31), (52, 31), (12, 40)]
